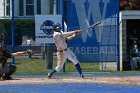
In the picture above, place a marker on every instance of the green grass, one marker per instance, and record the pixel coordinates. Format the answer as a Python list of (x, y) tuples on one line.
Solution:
[(38, 67), (126, 72), (34, 66)]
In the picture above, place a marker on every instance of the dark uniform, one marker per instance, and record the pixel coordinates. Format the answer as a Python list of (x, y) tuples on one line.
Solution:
[(6, 70), (1, 39)]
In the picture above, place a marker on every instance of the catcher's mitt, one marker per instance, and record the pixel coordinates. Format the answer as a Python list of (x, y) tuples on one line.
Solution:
[(30, 52)]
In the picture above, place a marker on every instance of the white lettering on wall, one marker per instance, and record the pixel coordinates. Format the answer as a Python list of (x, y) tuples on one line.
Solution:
[(94, 50)]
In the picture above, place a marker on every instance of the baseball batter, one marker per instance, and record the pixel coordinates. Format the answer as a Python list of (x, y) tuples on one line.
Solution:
[(63, 52)]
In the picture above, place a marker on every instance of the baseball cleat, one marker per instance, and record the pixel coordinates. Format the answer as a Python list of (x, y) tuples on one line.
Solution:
[(49, 76), (6, 78), (82, 76), (2, 79)]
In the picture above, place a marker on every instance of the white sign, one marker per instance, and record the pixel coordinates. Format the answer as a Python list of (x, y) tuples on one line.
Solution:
[(44, 28)]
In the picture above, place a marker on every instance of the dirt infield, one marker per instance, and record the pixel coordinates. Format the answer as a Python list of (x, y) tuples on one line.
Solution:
[(114, 80)]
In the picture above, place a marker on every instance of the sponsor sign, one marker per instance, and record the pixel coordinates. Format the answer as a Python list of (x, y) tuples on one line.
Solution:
[(44, 28)]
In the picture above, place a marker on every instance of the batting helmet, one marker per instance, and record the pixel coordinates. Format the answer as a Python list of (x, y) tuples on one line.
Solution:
[(57, 26)]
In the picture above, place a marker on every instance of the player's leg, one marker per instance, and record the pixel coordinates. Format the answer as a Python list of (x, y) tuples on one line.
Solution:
[(1, 73), (51, 73), (78, 67), (61, 57), (136, 63), (71, 56), (133, 63), (12, 70)]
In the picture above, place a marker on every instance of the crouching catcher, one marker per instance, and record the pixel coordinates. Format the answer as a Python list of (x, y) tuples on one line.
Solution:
[(6, 70)]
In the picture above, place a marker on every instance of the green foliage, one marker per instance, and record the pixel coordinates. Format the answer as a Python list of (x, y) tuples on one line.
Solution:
[(130, 4)]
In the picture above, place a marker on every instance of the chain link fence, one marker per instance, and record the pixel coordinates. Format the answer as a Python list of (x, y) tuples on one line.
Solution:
[(38, 62), (24, 29)]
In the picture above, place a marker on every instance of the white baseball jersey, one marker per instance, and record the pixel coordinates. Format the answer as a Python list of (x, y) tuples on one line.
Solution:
[(59, 39), (60, 42)]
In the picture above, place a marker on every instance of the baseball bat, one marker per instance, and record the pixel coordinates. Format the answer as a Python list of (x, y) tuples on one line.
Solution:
[(91, 26)]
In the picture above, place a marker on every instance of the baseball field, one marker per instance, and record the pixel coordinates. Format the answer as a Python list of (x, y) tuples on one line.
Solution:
[(31, 76), (71, 83), (31, 73)]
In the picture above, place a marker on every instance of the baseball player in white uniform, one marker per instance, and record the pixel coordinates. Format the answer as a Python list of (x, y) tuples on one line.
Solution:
[(63, 52)]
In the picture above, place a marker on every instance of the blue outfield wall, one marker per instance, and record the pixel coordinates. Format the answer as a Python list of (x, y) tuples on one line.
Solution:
[(99, 44)]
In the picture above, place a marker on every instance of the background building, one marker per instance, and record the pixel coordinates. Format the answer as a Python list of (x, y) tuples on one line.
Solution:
[(26, 8)]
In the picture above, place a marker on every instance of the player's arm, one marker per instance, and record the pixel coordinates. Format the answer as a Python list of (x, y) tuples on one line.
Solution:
[(22, 53), (19, 53), (67, 34), (77, 32), (70, 37)]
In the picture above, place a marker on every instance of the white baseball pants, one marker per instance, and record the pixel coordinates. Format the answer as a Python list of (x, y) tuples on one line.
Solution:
[(62, 56)]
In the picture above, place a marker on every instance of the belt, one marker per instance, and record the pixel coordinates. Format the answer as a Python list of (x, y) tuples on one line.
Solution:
[(62, 50)]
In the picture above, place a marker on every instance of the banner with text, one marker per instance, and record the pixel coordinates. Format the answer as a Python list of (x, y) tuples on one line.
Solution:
[(44, 28), (99, 44)]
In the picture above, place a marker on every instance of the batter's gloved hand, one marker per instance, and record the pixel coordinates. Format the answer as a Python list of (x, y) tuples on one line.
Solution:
[(77, 32)]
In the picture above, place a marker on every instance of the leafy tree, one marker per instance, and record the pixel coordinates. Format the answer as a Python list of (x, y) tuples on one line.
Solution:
[(130, 5)]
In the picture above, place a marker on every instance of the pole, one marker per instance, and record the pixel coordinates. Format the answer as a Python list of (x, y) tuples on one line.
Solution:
[(49, 47), (4, 7), (54, 7), (119, 65), (12, 28), (62, 11), (49, 56), (58, 6)]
